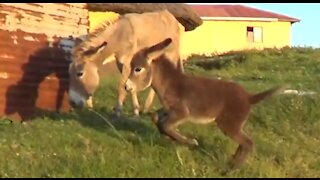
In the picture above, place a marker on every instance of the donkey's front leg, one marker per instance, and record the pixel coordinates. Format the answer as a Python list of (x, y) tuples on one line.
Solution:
[(121, 97), (122, 93), (135, 103), (149, 100)]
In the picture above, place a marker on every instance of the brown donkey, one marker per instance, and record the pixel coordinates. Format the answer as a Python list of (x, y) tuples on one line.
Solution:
[(197, 99)]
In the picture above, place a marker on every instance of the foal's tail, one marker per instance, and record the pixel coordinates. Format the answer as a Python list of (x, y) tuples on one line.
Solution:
[(256, 98)]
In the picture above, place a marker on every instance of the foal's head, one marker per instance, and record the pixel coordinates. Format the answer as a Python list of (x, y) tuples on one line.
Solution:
[(140, 76)]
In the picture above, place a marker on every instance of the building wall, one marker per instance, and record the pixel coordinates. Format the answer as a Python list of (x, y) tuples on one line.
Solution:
[(222, 36), (35, 44), (215, 37), (96, 18)]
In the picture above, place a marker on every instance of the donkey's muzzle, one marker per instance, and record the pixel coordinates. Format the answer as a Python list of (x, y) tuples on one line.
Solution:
[(128, 86), (76, 100), (74, 104)]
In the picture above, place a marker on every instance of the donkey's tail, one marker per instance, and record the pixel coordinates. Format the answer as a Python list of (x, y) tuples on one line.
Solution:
[(256, 98)]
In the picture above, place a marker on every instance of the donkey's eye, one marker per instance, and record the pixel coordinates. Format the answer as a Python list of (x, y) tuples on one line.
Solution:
[(79, 74), (138, 69)]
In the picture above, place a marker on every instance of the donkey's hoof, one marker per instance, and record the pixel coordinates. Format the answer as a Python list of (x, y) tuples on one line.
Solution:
[(136, 112), (117, 115), (117, 112), (145, 111)]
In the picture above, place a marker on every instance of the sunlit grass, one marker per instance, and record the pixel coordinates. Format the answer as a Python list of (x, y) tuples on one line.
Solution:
[(285, 129)]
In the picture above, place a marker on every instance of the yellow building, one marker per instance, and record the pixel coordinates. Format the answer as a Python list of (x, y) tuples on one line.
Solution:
[(226, 28), (236, 27)]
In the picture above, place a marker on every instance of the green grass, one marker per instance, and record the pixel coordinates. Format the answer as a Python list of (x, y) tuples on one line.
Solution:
[(285, 130)]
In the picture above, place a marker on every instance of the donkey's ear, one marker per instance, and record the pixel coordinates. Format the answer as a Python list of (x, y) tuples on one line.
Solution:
[(97, 49), (158, 49), (77, 41)]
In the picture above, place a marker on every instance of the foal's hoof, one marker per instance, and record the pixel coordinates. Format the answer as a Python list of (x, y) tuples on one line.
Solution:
[(190, 142), (233, 164), (194, 142)]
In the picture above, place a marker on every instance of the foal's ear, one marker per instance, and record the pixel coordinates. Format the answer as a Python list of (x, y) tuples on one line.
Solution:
[(158, 49), (97, 49)]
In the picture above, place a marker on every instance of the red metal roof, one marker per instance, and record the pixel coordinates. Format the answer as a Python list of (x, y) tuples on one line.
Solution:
[(238, 11)]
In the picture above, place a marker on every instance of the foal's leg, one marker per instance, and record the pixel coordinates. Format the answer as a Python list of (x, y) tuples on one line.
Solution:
[(171, 121), (232, 126), (159, 115), (245, 147)]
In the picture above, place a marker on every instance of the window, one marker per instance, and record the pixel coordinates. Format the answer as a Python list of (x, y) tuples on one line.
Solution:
[(254, 34)]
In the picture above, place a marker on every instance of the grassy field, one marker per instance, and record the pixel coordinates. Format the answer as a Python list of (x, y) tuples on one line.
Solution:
[(285, 130)]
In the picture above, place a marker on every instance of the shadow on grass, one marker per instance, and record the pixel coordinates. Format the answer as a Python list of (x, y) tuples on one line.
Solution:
[(107, 123), (218, 62), (144, 132)]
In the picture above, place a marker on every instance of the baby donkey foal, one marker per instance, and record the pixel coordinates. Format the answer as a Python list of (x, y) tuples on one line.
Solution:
[(197, 99)]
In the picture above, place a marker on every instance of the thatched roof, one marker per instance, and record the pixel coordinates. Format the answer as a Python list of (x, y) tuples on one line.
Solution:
[(183, 12)]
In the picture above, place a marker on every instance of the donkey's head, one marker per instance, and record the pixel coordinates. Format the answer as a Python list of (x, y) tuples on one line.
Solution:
[(83, 74), (140, 76)]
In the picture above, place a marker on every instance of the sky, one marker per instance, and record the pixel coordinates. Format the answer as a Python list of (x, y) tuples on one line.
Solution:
[(303, 33)]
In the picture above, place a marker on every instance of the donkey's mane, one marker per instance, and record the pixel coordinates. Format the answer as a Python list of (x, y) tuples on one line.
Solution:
[(93, 39)]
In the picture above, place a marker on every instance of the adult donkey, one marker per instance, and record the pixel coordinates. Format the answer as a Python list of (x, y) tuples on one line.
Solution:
[(125, 36)]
